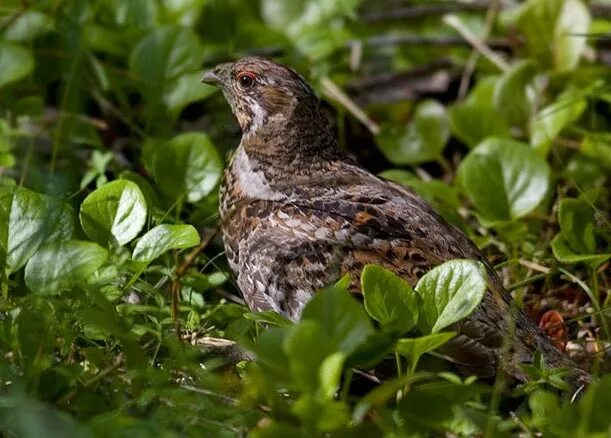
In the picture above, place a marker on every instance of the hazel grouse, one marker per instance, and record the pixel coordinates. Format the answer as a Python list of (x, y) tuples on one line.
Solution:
[(297, 214)]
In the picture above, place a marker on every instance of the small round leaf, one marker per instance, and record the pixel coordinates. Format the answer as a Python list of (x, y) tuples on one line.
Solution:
[(187, 165), (504, 179), (114, 212), (163, 238), (450, 292)]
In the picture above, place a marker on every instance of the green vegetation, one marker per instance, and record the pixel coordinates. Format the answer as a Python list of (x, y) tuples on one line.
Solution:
[(112, 279)]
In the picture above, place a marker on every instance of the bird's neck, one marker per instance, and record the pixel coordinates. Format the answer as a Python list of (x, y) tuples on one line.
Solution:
[(298, 146)]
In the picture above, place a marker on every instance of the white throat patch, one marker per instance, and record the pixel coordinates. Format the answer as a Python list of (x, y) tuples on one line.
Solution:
[(253, 184)]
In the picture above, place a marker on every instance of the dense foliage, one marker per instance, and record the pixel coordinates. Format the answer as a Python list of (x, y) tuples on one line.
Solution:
[(113, 280)]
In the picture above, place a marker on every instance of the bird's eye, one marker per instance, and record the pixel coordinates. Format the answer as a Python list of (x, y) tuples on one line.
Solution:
[(246, 80)]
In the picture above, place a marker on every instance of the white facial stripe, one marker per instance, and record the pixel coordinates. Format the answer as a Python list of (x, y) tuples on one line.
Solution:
[(258, 116)]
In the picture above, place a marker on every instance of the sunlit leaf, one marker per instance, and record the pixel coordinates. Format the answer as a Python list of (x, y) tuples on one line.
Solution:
[(513, 93), (163, 238), (188, 165), (552, 119), (116, 212), (16, 62), (27, 221), (450, 292), (504, 179), (422, 140)]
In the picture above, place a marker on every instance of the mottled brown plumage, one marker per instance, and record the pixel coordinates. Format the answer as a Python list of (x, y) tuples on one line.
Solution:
[(297, 214)]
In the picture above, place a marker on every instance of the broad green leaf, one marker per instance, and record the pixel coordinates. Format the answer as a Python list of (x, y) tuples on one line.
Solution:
[(116, 212), (513, 93), (422, 140), (549, 122), (315, 28), (28, 26), (554, 31), (342, 318), (593, 413), (163, 55), (375, 347), (576, 218), (307, 346), (271, 356), (570, 34), (320, 414), (16, 62), (544, 405), (598, 147), (504, 179), (473, 123), (27, 221), (62, 265), (565, 254), (188, 165), (163, 238), (429, 407), (135, 13), (186, 89), (450, 292), (389, 299), (413, 348)]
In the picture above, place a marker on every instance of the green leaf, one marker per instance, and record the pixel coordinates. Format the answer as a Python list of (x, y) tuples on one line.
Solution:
[(116, 212), (186, 89), (450, 292), (593, 409), (413, 348), (577, 224), (598, 147), (188, 165), (62, 265), (432, 406), (163, 238), (321, 415), (27, 221), (549, 122), (513, 95), (163, 55), (422, 140), (271, 356), (389, 299), (565, 254), (307, 346), (330, 374), (504, 179), (572, 26), (28, 26), (554, 31), (316, 28), (473, 123), (16, 62), (343, 319)]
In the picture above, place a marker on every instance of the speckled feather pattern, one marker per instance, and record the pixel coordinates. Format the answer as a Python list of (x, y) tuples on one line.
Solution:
[(297, 214)]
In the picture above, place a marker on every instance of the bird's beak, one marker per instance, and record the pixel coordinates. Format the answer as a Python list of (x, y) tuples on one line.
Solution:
[(211, 77)]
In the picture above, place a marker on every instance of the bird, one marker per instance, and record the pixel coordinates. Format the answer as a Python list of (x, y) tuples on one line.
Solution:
[(297, 213)]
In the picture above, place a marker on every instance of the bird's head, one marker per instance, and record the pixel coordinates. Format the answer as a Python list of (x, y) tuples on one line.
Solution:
[(263, 94)]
